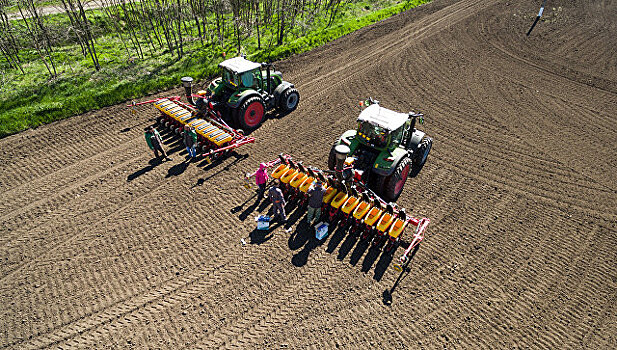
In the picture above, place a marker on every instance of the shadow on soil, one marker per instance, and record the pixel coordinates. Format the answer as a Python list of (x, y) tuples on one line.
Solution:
[(152, 163), (387, 294), (303, 239), (214, 164)]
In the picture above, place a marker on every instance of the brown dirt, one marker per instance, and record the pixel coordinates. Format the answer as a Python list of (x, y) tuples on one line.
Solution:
[(100, 250)]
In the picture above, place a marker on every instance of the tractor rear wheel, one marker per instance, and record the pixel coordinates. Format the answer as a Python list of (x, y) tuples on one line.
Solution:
[(289, 100), (251, 114), (423, 150), (395, 183)]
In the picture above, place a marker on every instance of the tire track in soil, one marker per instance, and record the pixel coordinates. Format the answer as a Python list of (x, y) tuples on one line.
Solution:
[(449, 305), (67, 184), (261, 329), (423, 314), (122, 307), (56, 155), (81, 342), (105, 213)]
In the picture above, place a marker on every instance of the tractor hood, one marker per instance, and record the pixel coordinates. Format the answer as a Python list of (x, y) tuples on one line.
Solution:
[(383, 117), (239, 65)]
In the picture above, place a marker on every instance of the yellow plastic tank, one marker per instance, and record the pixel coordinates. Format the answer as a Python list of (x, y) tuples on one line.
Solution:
[(361, 210), (289, 174), (372, 216), (340, 198), (307, 184), (298, 179), (397, 228), (385, 222), (330, 193), (350, 204), (280, 170)]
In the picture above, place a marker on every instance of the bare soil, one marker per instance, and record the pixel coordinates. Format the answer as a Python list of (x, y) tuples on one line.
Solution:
[(101, 249)]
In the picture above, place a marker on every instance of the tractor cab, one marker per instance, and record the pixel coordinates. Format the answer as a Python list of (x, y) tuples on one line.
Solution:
[(246, 91), (381, 128), (384, 148), (240, 72)]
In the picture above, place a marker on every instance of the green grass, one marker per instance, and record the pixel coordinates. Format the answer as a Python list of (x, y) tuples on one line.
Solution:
[(31, 100)]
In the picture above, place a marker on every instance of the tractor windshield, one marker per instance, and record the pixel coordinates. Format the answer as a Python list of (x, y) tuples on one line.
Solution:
[(230, 78), (375, 136)]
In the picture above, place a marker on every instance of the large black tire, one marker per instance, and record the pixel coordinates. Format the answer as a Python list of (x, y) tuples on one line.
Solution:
[(395, 183), (289, 100), (332, 158), (422, 154), (251, 114)]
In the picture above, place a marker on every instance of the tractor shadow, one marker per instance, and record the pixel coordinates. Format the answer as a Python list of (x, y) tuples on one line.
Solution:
[(350, 241)]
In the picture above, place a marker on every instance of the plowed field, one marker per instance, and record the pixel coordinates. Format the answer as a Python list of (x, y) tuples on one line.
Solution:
[(101, 249)]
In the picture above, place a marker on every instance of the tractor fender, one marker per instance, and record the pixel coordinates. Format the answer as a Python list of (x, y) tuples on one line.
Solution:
[(415, 140), (386, 168), (346, 137), (279, 91), (244, 95)]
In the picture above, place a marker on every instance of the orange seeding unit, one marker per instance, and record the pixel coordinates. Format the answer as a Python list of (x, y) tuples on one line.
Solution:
[(350, 203), (215, 138)]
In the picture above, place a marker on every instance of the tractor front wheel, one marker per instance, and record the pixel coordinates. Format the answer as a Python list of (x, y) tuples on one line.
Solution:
[(423, 150), (289, 100), (251, 114), (395, 183)]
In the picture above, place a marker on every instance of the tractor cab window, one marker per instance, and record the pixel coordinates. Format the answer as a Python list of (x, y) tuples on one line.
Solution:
[(397, 134), (248, 79), (230, 78), (373, 135)]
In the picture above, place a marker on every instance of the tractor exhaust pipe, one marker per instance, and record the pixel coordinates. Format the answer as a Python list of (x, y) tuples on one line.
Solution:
[(413, 121), (269, 83), (187, 82), (341, 154)]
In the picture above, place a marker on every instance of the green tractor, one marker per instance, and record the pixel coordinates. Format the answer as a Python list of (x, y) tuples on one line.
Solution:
[(245, 92), (384, 150)]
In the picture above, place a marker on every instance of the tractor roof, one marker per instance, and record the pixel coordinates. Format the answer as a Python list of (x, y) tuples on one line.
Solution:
[(383, 117), (239, 65)]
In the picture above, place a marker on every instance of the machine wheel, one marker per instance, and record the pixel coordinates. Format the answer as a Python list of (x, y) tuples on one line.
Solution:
[(251, 113), (289, 100), (332, 158), (423, 150), (395, 183)]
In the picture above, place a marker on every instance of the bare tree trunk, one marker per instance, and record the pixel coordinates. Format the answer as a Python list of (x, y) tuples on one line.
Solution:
[(281, 13), (179, 19), (35, 39), (257, 14), (8, 45)]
